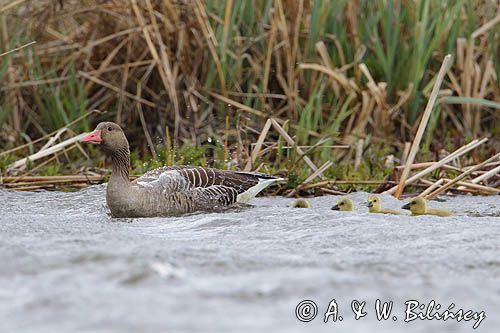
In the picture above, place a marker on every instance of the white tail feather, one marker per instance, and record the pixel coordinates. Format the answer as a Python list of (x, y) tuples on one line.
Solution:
[(253, 191)]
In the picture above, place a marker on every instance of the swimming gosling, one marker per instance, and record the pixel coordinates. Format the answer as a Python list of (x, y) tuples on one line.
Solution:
[(418, 206), (374, 206), (344, 204), (301, 203)]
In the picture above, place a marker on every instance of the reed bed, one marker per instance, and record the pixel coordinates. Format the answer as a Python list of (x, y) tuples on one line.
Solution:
[(318, 91)]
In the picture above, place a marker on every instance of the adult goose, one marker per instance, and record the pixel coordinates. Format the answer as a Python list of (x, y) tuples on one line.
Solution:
[(171, 190)]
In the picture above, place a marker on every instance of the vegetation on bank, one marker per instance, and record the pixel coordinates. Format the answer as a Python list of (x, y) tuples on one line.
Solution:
[(194, 82)]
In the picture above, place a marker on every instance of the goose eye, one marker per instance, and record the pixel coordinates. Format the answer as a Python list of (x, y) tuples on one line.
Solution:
[(374, 200), (110, 129), (341, 203)]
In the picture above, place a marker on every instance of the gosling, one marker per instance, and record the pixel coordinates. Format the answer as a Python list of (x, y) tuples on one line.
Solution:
[(418, 206), (374, 206), (344, 204), (301, 203)]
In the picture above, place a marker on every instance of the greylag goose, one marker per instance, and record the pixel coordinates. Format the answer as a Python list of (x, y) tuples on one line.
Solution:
[(301, 203), (170, 190), (375, 207), (418, 206), (344, 204)]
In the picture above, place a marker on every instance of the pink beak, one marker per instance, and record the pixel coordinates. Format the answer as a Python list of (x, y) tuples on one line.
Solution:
[(93, 138)]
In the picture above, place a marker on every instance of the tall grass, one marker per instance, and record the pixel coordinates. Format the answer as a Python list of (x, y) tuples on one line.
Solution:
[(187, 65)]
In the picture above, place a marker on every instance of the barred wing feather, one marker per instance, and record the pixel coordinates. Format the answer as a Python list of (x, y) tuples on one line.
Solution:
[(224, 187)]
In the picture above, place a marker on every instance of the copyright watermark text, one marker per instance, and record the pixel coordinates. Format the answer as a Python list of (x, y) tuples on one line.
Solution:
[(307, 310)]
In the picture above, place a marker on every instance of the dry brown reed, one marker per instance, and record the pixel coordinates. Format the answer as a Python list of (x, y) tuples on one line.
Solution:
[(184, 71)]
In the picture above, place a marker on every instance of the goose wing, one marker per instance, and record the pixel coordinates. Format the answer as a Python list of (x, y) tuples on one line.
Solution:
[(217, 185)]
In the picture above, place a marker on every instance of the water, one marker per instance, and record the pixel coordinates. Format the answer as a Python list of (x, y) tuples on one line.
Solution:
[(66, 266)]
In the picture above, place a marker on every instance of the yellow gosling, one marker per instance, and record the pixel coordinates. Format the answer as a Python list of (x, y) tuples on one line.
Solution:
[(301, 203), (418, 206), (374, 206), (344, 204)]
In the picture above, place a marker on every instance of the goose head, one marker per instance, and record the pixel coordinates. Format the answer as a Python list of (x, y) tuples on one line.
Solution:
[(373, 204), (417, 205), (301, 203), (109, 136), (344, 204)]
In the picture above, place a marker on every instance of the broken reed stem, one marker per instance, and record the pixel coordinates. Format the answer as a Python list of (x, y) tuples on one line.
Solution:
[(461, 176), (50, 134), (11, 5), (349, 182), (290, 141), (485, 27), (43, 153), (52, 180), (237, 104), (359, 154), (49, 182), (466, 187), (303, 147), (226, 138), (481, 188), (316, 173), (423, 124), (333, 192), (32, 179), (17, 48), (428, 164), (406, 151), (258, 146), (431, 188), (486, 175), (457, 153)]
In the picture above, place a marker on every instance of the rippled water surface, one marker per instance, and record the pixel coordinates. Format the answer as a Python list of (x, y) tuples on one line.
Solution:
[(66, 266)]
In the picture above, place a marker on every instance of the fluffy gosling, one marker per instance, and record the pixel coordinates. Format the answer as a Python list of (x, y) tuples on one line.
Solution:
[(374, 206), (301, 203), (344, 204), (418, 206)]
